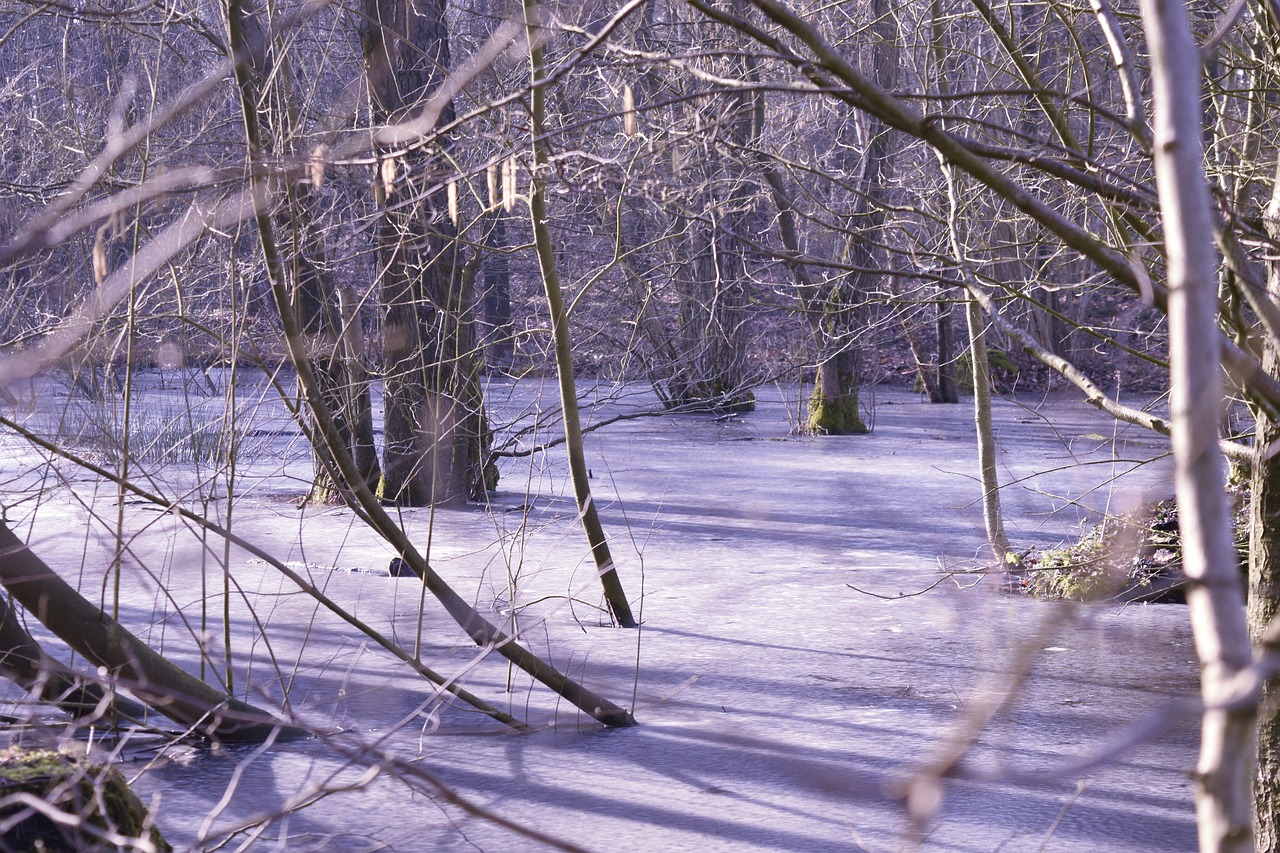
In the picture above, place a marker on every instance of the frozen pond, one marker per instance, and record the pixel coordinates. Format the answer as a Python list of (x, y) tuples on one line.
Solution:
[(786, 693)]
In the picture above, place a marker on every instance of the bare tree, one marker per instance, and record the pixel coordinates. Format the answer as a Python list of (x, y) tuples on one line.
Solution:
[(1225, 773), (578, 473)]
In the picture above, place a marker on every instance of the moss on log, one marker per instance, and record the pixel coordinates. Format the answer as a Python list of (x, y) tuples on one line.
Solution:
[(54, 801)]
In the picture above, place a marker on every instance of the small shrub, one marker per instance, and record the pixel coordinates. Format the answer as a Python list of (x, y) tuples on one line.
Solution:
[(1136, 557), (165, 433)]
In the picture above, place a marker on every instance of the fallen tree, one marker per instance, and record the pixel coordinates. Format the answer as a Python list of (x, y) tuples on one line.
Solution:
[(158, 682)]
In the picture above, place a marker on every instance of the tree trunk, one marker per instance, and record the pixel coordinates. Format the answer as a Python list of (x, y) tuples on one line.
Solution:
[(1264, 602), (992, 515), (437, 439), (335, 343), (105, 643), (587, 513), (333, 340), (711, 373), (833, 407), (25, 663), (1224, 775), (1264, 571), (499, 342), (948, 384)]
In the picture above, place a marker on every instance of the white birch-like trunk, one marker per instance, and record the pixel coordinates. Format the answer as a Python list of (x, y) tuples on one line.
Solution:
[(1225, 772), (992, 515)]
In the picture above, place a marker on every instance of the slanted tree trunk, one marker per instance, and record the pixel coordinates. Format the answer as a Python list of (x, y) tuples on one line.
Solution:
[(615, 597), (334, 342), (26, 664), (1225, 772), (437, 439), (926, 372), (105, 643)]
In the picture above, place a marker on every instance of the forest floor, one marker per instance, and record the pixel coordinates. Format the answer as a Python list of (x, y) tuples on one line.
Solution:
[(817, 633)]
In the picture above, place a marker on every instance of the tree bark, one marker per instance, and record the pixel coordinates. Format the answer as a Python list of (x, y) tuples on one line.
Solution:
[(834, 405), (988, 476), (614, 594), (1224, 775), (992, 516), (1264, 570), (436, 437), (948, 385), (105, 643), (710, 371), (333, 339), (24, 662)]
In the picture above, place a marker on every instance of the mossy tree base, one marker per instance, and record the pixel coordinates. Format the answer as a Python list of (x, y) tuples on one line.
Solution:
[(835, 416), (108, 815), (833, 406)]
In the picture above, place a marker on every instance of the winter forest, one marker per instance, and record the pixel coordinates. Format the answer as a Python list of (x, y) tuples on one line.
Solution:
[(661, 424)]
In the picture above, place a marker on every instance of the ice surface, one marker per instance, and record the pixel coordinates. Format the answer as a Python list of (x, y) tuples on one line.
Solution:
[(780, 707)]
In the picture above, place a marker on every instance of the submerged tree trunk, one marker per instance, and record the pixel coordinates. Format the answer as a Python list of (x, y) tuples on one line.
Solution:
[(834, 407), (335, 345), (437, 439), (335, 342), (992, 515), (711, 373), (105, 643), (948, 385)]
